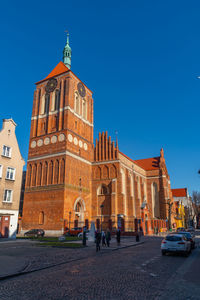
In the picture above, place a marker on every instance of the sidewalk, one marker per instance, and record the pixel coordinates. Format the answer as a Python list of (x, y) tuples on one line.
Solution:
[(11, 265)]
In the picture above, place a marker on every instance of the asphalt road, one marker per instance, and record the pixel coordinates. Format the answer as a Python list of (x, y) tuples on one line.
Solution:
[(139, 272)]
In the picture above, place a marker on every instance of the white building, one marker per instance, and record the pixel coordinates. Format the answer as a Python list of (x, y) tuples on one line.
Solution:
[(11, 167)]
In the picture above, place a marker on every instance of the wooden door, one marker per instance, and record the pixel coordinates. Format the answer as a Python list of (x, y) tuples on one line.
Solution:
[(5, 223)]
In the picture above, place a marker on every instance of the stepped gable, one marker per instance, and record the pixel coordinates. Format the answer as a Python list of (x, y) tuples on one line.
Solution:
[(105, 149)]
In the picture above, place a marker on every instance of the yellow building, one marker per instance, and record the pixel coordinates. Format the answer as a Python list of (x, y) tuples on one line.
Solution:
[(179, 196)]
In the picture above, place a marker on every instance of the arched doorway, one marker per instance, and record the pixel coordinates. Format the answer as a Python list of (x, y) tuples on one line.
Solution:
[(79, 209)]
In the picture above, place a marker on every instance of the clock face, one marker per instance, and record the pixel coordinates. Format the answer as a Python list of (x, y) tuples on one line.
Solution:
[(81, 89), (51, 85)]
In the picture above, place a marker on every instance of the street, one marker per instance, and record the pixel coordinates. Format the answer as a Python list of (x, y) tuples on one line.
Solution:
[(138, 272)]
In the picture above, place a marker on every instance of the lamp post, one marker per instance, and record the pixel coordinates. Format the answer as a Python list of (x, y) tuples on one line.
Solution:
[(102, 206), (69, 219)]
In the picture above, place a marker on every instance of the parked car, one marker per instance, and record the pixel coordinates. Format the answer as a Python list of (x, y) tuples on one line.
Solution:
[(180, 229), (191, 228), (192, 231), (73, 232), (175, 243), (35, 233), (189, 237), (81, 234)]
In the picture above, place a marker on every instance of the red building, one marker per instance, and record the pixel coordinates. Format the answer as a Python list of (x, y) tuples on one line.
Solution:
[(71, 180)]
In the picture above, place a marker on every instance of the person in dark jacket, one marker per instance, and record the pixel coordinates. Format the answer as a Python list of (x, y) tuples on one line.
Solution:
[(118, 235), (108, 238), (103, 238), (98, 240)]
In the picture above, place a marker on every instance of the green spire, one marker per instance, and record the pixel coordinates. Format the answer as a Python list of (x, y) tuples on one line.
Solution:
[(67, 53)]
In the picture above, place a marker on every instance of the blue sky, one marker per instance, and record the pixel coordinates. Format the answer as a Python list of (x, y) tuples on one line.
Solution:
[(141, 59)]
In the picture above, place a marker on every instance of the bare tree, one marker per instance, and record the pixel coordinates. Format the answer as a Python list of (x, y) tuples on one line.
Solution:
[(196, 202)]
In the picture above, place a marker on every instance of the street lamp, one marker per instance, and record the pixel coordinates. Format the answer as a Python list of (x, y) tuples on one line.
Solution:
[(102, 206), (69, 219)]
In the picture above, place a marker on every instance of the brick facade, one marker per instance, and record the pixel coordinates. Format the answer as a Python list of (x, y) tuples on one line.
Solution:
[(69, 178)]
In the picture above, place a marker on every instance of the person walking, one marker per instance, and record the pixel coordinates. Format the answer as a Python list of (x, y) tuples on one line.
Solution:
[(103, 236), (118, 235), (97, 240), (108, 238)]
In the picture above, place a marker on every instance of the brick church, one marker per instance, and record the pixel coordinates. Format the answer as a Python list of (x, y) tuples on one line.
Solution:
[(71, 181)]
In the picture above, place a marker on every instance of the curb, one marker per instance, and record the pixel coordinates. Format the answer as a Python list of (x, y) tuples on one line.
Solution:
[(122, 247)]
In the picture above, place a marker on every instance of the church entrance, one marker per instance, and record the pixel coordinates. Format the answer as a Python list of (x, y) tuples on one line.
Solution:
[(79, 208)]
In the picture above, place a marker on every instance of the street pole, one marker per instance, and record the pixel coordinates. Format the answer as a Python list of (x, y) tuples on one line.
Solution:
[(101, 214), (169, 213), (69, 219)]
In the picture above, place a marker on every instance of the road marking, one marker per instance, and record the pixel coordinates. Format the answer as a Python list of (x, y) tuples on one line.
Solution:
[(153, 275)]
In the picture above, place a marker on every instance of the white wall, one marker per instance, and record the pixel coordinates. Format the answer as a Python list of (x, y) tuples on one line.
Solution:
[(13, 221)]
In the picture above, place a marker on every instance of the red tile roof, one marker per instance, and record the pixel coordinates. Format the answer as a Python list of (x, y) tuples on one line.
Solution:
[(149, 164), (59, 69), (179, 192)]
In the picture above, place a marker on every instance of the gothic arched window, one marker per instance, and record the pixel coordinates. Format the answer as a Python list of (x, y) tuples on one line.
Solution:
[(46, 106), (84, 109), (41, 218), (77, 103), (102, 190), (155, 200)]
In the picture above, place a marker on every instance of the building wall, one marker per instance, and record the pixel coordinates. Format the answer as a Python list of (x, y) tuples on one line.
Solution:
[(8, 138), (59, 162), (70, 178)]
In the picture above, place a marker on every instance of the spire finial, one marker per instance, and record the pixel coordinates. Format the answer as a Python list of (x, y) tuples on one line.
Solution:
[(67, 36), (67, 52)]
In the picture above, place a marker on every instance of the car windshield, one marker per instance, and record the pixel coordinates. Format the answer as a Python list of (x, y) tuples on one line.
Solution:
[(187, 234), (173, 238)]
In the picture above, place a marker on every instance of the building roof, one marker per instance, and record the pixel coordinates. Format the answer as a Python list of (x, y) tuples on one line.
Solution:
[(148, 164), (59, 69), (179, 192)]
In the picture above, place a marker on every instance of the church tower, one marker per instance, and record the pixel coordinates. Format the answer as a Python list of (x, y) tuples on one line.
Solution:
[(58, 181)]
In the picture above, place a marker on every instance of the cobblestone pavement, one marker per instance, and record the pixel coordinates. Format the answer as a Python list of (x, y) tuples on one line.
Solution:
[(131, 273)]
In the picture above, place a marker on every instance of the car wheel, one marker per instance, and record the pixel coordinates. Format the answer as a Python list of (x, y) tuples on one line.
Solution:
[(163, 252), (186, 254)]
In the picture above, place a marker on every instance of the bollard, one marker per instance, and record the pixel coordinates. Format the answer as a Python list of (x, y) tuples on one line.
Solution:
[(84, 238), (137, 237)]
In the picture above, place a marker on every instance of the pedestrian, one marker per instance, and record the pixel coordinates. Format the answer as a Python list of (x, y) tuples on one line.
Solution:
[(108, 238), (141, 231), (97, 240), (84, 236), (137, 237), (118, 236), (103, 237)]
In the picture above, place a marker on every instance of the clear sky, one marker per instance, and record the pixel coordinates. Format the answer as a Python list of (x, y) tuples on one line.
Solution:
[(141, 59)]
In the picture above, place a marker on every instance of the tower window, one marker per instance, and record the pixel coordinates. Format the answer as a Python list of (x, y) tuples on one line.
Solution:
[(84, 109), (75, 124), (57, 100), (77, 103), (46, 106)]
